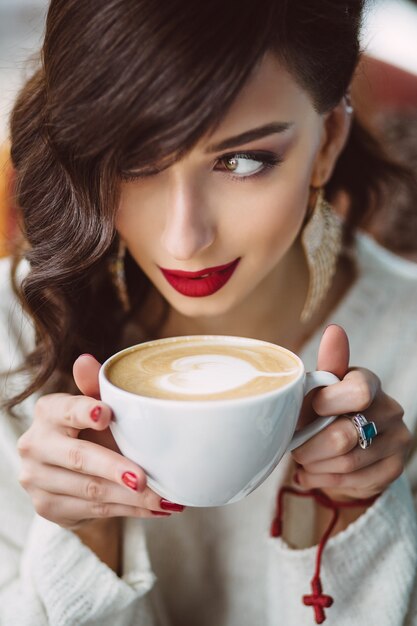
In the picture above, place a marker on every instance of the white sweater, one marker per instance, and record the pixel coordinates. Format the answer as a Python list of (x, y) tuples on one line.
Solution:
[(219, 566)]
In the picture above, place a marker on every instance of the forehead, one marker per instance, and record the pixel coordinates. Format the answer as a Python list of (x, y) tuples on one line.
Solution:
[(270, 94)]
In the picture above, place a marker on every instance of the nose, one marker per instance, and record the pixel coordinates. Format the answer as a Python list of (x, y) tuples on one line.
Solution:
[(189, 228)]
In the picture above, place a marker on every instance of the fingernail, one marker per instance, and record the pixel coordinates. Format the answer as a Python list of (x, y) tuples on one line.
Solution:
[(131, 480), (86, 354), (296, 478), (162, 513), (170, 506), (95, 413)]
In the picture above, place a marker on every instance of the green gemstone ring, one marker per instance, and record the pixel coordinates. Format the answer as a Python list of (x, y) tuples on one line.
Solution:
[(366, 430)]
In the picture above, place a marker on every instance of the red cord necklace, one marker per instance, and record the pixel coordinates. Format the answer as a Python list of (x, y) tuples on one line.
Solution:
[(318, 600)]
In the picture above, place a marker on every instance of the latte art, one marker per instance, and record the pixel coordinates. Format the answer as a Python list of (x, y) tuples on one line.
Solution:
[(203, 369), (211, 373)]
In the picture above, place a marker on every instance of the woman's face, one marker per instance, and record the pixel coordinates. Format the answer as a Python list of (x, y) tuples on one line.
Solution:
[(246, 201)]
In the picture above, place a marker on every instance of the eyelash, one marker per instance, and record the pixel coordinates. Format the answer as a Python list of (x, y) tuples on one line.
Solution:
[(269, 160)]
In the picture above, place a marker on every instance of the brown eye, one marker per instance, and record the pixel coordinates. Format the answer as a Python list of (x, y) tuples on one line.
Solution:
[(231, 163), (245, 166)]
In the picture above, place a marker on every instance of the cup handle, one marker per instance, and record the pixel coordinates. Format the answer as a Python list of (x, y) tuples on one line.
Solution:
[(313, 380)]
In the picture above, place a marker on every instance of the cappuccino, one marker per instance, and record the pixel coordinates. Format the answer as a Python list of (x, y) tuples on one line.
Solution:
[(203, 368)]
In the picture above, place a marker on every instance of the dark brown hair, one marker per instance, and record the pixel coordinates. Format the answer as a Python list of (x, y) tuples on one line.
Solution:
[(127, 83)]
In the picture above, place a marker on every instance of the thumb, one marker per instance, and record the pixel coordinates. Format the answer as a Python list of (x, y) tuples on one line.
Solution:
[(333, 356), (333, 353), (85, 371)]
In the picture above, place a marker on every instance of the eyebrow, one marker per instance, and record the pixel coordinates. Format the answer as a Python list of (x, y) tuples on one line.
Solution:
[(250, 135)]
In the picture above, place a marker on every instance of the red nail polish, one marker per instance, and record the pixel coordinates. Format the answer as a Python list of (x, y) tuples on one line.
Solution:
[(131, 480), (170, 506), (95, 413), (162, 513)]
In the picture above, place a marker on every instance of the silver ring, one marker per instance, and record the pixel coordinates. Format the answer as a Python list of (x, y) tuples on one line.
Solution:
[(366, 430)]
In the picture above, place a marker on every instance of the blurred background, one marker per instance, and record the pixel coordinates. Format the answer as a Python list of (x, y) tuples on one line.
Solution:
[(21, 28)]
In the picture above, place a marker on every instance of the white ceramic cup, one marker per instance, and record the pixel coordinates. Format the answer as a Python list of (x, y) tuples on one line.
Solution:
[(211, 453)]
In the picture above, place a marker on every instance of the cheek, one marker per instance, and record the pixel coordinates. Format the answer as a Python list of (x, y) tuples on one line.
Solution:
[(271, 210), (270, 219), (133, 222)]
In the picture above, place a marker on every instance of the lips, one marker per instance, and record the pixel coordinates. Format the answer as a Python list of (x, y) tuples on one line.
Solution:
[(201, 283)]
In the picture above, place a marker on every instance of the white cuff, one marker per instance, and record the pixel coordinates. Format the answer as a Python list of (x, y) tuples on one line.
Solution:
[(74, 586)]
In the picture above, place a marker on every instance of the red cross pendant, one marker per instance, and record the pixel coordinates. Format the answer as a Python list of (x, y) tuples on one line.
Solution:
[(318, 600)]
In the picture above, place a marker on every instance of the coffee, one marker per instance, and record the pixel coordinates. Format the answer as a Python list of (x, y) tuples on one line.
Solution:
[(201, 368), (208, 453)]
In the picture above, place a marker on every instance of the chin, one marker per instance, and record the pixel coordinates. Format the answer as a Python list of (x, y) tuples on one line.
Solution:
[(210, 306)]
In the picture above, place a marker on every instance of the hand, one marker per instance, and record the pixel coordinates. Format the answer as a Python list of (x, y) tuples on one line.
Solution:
[(70, 464), (332, 460)]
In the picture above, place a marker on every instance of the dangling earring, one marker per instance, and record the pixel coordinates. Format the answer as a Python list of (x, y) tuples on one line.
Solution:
[(322, 243), (118, 276), (348, 103)]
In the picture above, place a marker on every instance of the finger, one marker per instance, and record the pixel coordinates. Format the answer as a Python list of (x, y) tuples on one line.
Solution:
[(363, 483), (341, 436), (85, 457), (59, 481), (337, 439), (356, 392), (383, 445), (85, 371), (69, 511), (333, 354), (72, 412)]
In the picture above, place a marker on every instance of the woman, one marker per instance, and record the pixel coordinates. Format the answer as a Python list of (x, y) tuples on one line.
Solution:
[(130, 145)]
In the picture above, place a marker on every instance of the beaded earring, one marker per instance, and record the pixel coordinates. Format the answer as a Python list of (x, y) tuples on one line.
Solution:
[(322, 242), (118, 276)]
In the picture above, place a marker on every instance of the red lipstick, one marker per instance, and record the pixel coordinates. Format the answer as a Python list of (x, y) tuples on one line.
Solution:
[(202, 283)]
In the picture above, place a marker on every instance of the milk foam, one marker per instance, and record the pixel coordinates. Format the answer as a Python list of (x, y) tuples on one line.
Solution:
[(211, 373)]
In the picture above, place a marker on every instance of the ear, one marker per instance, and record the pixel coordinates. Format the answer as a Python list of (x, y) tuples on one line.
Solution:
[(336, 127)]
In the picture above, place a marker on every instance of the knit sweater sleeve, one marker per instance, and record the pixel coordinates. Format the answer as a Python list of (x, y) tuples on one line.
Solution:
[(47, 575), (369, 569), (55, 580)]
